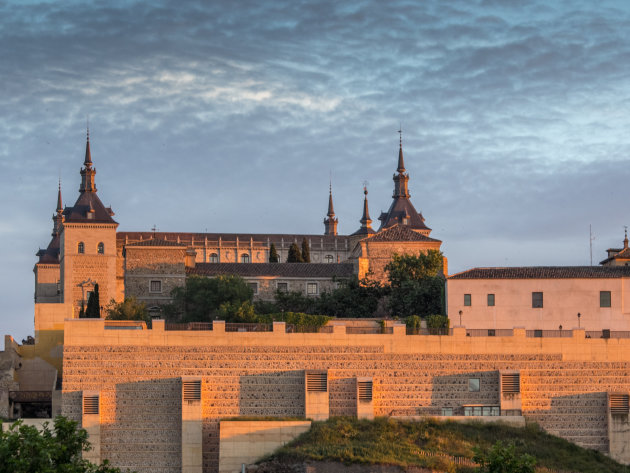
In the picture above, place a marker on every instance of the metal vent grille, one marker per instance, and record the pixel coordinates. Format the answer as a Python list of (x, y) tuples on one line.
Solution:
[(619, 404), (511, 383), (192, 390), (316, 382), (365, 391), (90, 405)]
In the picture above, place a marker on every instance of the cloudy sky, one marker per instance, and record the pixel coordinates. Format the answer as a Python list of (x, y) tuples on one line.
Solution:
[(231, 116)]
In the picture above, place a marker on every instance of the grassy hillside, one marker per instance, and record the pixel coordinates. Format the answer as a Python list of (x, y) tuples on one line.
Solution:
[(393, 442)]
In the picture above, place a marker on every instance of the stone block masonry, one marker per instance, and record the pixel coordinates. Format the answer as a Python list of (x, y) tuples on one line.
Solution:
[(138, 373)]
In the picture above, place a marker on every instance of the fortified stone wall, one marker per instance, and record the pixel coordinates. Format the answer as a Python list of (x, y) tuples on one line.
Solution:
[(146, 264), (564, 382)]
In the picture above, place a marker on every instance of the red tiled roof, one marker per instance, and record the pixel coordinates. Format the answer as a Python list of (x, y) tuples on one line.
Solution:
[(287, 270), (545, 272), (401, 233)]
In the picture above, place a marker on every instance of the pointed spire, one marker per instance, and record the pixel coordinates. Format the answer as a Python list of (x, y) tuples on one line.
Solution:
[(87, 172), (331, 210), (401, 161), (625, 239), (58, 216), (59, 201), (366, 221), (330, 222), (88, 156)]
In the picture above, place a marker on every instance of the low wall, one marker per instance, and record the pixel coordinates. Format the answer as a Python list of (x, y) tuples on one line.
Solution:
[(247, 441), (138, 374)]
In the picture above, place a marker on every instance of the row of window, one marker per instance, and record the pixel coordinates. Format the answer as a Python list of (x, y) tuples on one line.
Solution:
[(100, 248), (537, 299), (214, 258), (312, 288)]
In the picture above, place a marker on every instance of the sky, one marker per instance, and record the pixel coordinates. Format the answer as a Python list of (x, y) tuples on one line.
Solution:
[(234, 116)]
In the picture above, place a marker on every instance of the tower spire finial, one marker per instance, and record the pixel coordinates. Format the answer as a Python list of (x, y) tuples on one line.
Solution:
[(59, 202), (401, 161), (625, 238), (331, 210), (88, 155)]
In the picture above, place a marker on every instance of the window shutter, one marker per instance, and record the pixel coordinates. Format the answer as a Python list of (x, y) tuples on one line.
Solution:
[(316, 382), (619, 404), (365, 391), (192, 390), (511, 383), (90, 405)]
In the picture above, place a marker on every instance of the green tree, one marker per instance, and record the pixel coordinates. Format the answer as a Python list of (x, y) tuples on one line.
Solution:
[(414, 267), (417, 284), (504, 459), (93, 309), (56, 449), (306, 252), (353, 298), (294, 256), (273, 254), (200, 299), (129, 309)]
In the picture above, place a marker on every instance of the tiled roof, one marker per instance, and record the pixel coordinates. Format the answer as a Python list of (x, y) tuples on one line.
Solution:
[(51, 254), (364, 231), (401, 233), (545, 272), (402, 208), (88, 202), (157, 242), (287, 270)]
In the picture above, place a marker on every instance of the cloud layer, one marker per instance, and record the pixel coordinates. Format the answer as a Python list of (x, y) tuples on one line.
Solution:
[(230, 116)]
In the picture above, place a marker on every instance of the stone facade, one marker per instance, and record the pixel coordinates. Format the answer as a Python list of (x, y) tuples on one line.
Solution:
[(138, 375)]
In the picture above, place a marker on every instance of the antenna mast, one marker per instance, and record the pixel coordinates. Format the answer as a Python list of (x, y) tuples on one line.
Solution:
[(590, 241)]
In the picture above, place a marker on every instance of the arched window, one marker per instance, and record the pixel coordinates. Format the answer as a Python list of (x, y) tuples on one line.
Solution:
[(100, 249), (244, 258), (214, 258), (329, 258), (81, 248)]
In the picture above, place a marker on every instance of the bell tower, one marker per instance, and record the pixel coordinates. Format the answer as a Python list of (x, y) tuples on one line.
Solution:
[(87, 243)]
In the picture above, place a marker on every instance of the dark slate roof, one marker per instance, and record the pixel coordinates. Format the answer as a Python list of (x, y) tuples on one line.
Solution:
[(401, 233), (546, 272), (157, 242), (51, 254), (287, 270), (364, 231), (402, 207), (88, 201)]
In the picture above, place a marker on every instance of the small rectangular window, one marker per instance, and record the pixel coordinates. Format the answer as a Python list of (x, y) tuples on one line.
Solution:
[(468, 411), (447, 411), (467, 300), (254, 287), (473, 385), (156, 286), (604, 298), (537, 300), (490, 300), (283, 287), (311, 288)]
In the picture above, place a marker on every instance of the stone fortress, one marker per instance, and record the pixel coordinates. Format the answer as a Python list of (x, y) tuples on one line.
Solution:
[(160, 399)]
